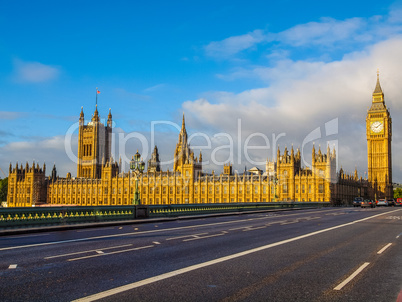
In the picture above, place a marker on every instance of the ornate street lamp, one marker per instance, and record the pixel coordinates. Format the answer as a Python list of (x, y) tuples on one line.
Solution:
[(274, 180), (137, 166)]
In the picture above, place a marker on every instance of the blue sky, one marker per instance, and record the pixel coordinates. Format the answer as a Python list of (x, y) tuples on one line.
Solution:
[(277, 66)]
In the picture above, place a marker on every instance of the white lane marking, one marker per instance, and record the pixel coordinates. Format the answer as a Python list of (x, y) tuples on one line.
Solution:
[(186, 236), (245, 227), (310, 218), (212, 262), (290, 222), (213, 235), (89, 251), (347, 280), (111, 253), (156, 242), (384, 248), (255, 228), (12, 266), (100, 252), (153, 231)]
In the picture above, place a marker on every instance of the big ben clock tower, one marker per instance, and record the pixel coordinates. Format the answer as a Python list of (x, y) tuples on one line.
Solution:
[(379, 136)]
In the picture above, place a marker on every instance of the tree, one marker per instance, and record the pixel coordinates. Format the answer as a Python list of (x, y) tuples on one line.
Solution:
[(3, 189), (398, 193)]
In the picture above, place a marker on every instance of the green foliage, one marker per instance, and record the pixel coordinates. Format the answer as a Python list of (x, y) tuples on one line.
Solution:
[(398, 193), (3, 189)]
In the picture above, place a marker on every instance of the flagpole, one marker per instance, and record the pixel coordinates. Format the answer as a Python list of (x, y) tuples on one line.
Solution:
[(96, 93)]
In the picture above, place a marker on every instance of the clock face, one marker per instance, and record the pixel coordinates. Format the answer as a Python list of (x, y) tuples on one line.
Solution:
[(377, 126)]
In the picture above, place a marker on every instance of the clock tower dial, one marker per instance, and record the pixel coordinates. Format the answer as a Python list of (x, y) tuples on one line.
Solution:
[(379, 137), (377, 127)]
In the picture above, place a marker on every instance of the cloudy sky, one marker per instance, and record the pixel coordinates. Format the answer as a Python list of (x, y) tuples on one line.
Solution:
[(249, 77)]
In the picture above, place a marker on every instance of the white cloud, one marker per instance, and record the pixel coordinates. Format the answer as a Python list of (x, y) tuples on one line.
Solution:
[(332, 34), (11, 115), (302, 96), (325, 32), (34, 72), (235, 44), (41, 150)]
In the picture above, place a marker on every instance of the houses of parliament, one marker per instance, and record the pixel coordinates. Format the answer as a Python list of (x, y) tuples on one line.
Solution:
[(100, 181)]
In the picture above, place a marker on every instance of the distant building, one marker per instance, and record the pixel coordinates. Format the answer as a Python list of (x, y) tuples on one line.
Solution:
[(100, 181)]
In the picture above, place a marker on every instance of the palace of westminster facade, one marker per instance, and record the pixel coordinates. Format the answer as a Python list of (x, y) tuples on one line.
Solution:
[(100, 181)]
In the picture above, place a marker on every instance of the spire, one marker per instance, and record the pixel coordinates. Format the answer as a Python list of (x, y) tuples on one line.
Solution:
[(378, 89), (81, 120), (183, 132), (183, 124), (378, 96), (95, 117), (109, 118)]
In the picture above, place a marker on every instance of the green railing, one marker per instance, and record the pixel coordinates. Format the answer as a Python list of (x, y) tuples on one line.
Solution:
[(27, 217), (199, 209), (16, 217)]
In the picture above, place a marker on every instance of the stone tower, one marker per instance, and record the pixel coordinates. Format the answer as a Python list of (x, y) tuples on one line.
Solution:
[(184, 161), (94, 145), (379, 136)]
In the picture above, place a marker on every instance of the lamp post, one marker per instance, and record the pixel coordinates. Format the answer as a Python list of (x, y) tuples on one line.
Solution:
[(274, 180), (137, 167)]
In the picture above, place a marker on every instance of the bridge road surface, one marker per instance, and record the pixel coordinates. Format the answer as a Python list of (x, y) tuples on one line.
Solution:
[(328, 254)]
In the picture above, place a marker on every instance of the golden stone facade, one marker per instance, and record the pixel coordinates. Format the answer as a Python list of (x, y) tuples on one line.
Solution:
[(100, 180), (379, 137)]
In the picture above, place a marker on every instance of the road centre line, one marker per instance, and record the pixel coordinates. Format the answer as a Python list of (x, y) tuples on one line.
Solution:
[(255, 228), (213, 235), (89, 251), (185, 236), (137, 284), (384, 248), (12, 266), (111, 253), (347, 280), (144, 232), (290, 222), (245, 227)]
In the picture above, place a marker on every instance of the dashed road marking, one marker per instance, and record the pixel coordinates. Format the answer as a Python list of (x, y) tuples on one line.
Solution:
[(89, 251), (350, 278), (111, 253), (384, 248), (12, 266)]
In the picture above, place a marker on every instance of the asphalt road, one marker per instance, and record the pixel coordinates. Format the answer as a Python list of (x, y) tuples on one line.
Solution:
[(329, 254)]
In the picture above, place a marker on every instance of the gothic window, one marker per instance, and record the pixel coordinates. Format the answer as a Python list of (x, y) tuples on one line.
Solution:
[(320, 188)]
